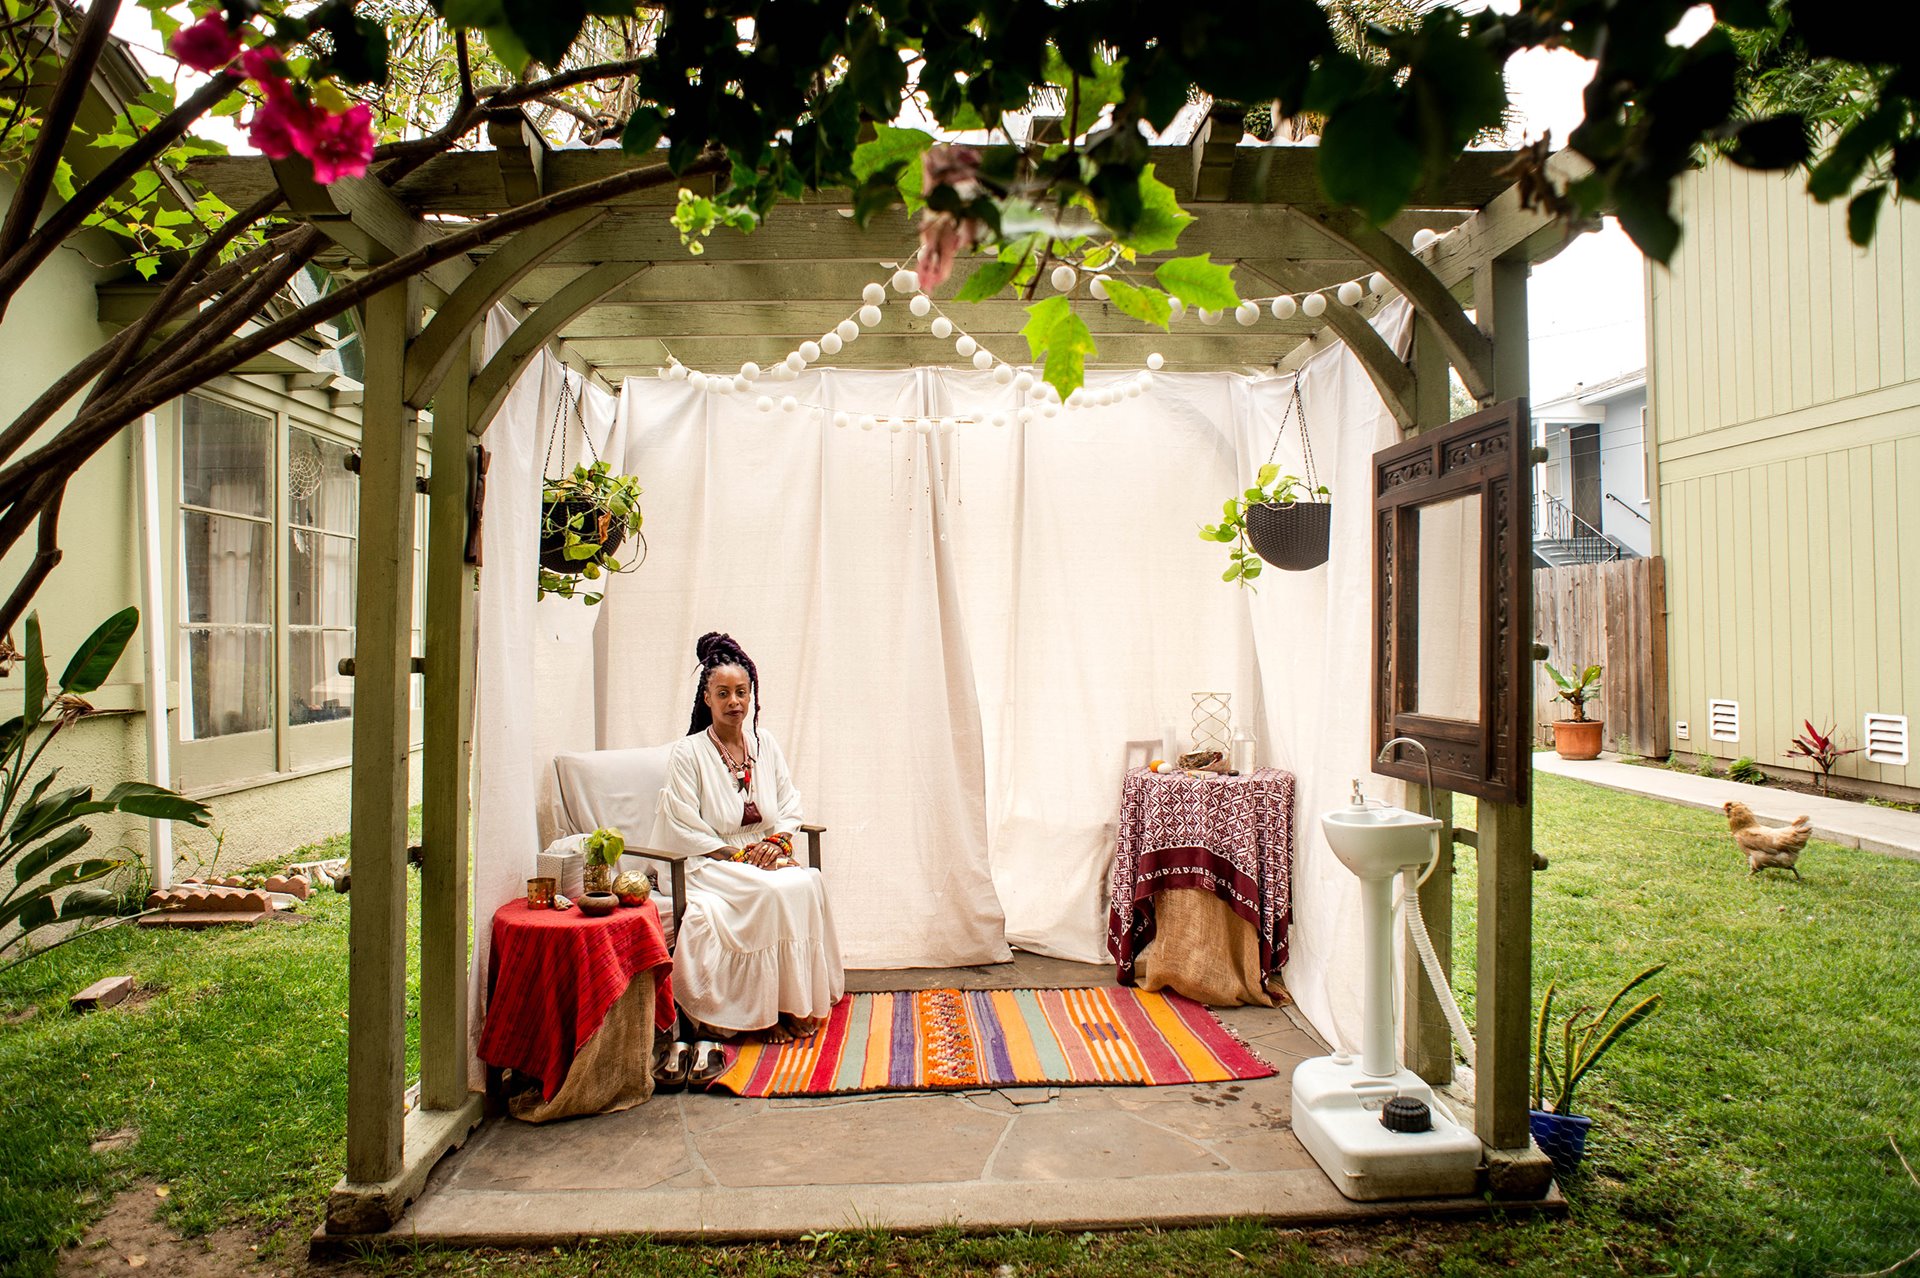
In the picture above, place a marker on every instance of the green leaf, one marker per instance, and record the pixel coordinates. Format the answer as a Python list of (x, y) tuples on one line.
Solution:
[(35, 703), (38, 860), (1266, 474), (987, 281), (1863, 210), (85, 872), (478, 14), (138, 798), (88, 902), (1157, 228), (99, 652), (1199, 282), (1148, 305), (891, 146), (1060, 338), (1366, 159), (1233, 570), (507, 49)]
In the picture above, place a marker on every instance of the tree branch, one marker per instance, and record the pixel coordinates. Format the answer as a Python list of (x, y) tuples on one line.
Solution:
[(45, 558), (76, 77)]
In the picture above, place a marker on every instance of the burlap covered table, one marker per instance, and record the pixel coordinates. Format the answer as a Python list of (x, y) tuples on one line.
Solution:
[(574, 1002), (1183, 839)]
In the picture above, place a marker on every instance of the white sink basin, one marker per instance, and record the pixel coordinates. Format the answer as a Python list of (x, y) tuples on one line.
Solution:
[(1377, 842)]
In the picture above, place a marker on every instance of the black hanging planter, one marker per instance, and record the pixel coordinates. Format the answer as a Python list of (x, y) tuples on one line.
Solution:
[(1292, 536), (554, 519)]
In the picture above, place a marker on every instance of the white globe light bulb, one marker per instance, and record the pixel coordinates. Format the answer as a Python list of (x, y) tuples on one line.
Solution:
[(847, 329), (795, 361), (966, 346), (904, 280), (1098, 287), (946, 426), (923, 427), (750, 370), (1023, 381), (1209, 317), (873, 294), (764, 403), (809, 351), (674, 371), (697, 380), (942, 327), (1423, 237), (1003, 374), (1349, 294), (997, 419), (870, 315), (842, 420), (1176, 307), (1314, 305), (895, 426), (1283, 307), (1378, 283), (739, 382), (983, 360), (830, 343), (866, 421), (1247, 313), (788, 403), (1064, 278), (1156, 360), (1025, 416), (920, 304), (1048, 409), (1146, 382)]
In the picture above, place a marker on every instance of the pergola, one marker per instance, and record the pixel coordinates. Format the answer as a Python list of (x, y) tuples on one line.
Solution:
[(611, 288)]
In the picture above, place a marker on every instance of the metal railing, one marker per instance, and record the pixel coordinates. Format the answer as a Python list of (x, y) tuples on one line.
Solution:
[(1629, 508), (1554, 520)]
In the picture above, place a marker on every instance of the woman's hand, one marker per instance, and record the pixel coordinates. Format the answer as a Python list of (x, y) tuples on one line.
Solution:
[(762, 855)]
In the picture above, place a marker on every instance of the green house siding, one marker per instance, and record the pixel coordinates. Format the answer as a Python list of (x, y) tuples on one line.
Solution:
[(1784, 389)]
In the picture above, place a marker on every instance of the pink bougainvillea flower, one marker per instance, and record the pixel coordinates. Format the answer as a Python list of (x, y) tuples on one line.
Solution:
[(944, 236), (341, 145), (283, 126), (264, 67), (207, 45)]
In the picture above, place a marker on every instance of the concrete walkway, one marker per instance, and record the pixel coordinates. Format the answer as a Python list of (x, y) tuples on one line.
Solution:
[(1843, 821), (717, 1167)]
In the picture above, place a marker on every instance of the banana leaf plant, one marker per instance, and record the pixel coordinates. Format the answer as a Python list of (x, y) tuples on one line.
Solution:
[(43, 835), (1582, 1054), (1821, 749), (1576, 692)]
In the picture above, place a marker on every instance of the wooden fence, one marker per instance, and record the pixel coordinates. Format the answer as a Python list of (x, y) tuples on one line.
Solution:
[(1613, 615)]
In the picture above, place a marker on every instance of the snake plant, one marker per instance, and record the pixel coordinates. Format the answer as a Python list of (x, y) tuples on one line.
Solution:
[(1580, 1054)]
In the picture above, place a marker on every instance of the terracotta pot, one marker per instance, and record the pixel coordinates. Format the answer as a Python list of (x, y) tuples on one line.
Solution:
[(1578, 738)]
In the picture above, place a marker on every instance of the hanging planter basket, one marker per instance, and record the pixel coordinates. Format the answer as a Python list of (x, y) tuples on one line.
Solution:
[(586, 514), (595, 524), (1292, 536)]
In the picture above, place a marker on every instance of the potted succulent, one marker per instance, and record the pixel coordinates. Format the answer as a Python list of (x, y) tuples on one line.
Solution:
[(1560, 1133), (1282, 520), (602, 850), (585, 516), (1578, 737)]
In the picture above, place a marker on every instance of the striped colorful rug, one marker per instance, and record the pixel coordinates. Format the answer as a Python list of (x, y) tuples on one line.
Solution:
[(938, 1040)]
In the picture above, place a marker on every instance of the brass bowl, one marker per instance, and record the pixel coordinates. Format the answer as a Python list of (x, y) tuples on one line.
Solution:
[(598, 903)]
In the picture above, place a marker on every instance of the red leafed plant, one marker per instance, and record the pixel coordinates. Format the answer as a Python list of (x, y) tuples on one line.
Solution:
[(1822, 749)]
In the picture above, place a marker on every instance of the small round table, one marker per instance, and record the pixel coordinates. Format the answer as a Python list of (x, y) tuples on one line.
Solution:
[(556, 977)]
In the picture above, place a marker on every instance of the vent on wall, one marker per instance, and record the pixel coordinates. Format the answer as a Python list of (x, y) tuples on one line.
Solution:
[(1723, 720), (1886, 739)]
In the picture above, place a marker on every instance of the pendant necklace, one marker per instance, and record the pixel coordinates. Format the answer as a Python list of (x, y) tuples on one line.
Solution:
[(742, 771)]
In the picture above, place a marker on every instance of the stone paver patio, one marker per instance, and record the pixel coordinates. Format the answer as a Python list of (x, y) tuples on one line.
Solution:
[(718, 1167)]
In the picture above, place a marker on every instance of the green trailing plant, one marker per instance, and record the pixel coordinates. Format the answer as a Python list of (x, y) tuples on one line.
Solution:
[(47, 876), (1703, 767), (1822, 749), (604, 847), (1270, 487), (585, 517), (1744, 769), (1576, 692), (1583, 1042)]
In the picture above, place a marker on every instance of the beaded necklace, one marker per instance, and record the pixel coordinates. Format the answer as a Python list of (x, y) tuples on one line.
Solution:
[(742, 770)]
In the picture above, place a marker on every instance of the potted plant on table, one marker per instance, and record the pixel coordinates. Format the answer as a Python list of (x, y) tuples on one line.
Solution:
[(585, 516), (602, 850), (1560, 1133), (1281, 520), (1578, 737)]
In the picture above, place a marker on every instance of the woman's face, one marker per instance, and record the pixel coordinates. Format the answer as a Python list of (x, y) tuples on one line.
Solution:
[(728, 693)]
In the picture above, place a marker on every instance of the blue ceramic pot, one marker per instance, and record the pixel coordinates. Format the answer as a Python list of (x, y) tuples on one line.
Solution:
[(1561, 1137)]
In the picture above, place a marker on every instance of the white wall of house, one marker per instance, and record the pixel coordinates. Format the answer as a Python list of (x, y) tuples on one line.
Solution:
[(248, 729), (1619, 421)]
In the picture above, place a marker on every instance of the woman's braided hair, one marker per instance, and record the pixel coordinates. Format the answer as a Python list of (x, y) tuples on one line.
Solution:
[(714, 651)]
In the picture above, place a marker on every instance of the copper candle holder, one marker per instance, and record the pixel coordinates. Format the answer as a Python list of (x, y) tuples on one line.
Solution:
[(540, 893)]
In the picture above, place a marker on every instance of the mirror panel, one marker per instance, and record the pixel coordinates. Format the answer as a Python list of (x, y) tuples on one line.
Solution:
[(1448, 626)]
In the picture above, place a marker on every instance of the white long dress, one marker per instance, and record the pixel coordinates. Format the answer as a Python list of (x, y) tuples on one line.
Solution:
[(753, 943)]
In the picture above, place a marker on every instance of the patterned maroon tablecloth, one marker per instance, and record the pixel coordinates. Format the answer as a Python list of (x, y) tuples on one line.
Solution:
[(1231, 836)]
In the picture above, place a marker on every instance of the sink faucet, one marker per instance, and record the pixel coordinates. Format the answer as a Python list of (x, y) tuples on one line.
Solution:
[(1386, 753)]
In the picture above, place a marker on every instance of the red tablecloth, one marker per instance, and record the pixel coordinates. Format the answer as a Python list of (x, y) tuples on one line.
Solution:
[(1231, 836), (553, 975)]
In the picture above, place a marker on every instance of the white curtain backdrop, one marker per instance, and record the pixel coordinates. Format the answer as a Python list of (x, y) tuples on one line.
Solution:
[(957, 636)]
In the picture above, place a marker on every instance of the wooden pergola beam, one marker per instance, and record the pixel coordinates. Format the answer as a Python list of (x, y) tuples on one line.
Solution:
[(1469, 349), (365, 218), (802, 320), (1240, 348), (521, 153), (1385, 369), (491, 384)]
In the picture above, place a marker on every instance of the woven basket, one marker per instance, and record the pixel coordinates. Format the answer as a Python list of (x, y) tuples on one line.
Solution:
[(1292, 536), (553, 546)]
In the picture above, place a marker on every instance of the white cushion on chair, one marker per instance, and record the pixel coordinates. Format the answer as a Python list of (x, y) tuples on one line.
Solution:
[(611, 789)]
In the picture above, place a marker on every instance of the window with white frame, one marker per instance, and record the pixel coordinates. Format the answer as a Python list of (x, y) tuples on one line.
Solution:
[(269, 518)]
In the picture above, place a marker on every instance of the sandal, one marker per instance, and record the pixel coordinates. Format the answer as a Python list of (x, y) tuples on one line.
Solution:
[(709, 1063), (670, 1074)]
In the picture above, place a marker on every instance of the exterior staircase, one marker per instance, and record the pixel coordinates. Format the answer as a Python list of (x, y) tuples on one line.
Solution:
[(1562, 538)]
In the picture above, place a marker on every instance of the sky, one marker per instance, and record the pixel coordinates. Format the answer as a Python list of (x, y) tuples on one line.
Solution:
[(1586, 306)]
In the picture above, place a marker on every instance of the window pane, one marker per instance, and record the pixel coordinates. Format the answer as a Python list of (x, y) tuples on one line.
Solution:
[(230, 676), (319, 692), (322, 492), (320, 571), (226, 457), (229, 571)]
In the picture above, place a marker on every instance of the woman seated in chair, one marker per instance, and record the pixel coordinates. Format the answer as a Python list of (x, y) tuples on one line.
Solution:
[(756, 950)]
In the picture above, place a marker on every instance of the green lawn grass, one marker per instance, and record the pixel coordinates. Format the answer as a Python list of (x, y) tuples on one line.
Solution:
[(1743, 1130)]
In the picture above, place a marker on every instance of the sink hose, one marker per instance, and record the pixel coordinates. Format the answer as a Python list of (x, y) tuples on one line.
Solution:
[(1431, 961)]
